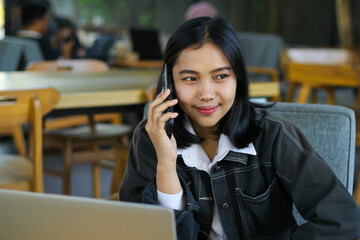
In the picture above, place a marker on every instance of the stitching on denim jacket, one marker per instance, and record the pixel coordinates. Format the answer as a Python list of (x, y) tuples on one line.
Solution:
[(181, 216), (294, 140), (283, 128), (260, 197), (243, 169), (232, 206), (284, 177), (242, 215)]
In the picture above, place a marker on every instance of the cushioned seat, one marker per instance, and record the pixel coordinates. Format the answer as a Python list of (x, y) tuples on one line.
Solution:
[(84, 133), (14, 168)]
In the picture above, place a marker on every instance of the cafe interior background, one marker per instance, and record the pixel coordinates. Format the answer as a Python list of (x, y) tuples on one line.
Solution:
[(300, 23)]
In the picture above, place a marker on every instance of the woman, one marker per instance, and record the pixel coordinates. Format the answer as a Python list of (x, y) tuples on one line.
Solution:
[(231, 170)]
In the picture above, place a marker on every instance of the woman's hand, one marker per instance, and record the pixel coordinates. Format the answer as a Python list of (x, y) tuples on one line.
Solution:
[(167, 180), (66, 48), (166, 149)]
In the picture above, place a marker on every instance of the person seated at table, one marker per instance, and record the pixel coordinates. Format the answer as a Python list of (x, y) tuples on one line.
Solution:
[(231, 169), (66, 31), (35, 18)]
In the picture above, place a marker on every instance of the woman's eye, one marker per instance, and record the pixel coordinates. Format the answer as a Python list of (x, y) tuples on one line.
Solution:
[(190, 79), (221, 76)]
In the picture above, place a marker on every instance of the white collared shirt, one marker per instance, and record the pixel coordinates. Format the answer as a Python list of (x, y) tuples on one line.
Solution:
[(195, 156)]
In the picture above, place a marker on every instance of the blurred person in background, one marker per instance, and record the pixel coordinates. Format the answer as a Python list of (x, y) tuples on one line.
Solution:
[(66, 31), (200, 9), (35, 16)]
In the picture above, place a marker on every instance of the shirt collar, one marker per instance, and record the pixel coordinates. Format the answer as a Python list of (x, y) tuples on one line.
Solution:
[(195, 156), (29, 34)]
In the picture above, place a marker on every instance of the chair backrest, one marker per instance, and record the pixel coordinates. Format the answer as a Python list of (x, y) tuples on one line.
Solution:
[(16, 53), (331, 131), (76, 65), (261, 50), (28, 106)]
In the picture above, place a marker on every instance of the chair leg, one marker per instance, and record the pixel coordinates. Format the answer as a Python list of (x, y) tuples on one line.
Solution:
[(314, 95), (357, 191), (67, 167), (96, 179), (18, 137), (290, 93), (119, 168), (304, 93), (331, 96)]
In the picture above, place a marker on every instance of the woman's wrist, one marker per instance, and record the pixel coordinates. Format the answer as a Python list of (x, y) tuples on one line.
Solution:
[(167, 180)]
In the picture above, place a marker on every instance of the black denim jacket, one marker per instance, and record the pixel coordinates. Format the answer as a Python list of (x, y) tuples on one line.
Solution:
[(253, 194)]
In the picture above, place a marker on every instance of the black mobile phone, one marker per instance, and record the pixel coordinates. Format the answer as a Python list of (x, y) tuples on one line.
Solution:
[(68, 37), (167, 84)]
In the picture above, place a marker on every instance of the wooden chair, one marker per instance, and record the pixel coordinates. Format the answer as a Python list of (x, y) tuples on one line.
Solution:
[(20, 107), (269, 89), (98, 144), (82, 138), (73, 65), (15, 53), (85, 65)]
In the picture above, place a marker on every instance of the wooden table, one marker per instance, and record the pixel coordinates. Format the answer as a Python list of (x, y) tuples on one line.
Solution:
[(138, 64), (82, 90), (319, 68)]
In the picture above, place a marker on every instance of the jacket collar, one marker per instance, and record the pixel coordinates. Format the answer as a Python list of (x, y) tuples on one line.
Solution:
[(195, 156)]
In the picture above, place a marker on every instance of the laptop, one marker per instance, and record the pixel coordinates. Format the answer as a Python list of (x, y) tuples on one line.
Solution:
[(146, 42), (26, 215)]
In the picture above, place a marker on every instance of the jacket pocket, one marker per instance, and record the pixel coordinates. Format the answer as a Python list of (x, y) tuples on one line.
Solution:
[(267, 215)]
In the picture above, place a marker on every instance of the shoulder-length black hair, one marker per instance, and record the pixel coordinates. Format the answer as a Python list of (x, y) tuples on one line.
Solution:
[(238, 123)]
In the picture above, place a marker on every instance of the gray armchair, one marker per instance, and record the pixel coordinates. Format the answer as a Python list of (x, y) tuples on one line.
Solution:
[(331, 131), (17, 52)]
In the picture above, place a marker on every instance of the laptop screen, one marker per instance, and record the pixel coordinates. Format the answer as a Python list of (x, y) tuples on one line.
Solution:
[(146, 43)]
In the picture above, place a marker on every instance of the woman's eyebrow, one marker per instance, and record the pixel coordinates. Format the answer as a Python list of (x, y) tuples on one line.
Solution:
[(220, 69), (187, 71)]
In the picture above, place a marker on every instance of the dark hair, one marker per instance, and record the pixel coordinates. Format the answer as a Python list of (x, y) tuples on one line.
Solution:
[(238, 123), (64, 23), (33, 11)]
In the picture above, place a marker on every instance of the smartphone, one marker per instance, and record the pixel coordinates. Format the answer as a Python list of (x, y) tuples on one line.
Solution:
[(67, 37), (166, 83)]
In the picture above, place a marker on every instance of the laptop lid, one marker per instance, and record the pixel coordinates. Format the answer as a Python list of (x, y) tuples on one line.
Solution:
[(146, 42), (26, 215)]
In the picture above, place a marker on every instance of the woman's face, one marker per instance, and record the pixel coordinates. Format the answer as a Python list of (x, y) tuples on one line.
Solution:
[(205, 85)]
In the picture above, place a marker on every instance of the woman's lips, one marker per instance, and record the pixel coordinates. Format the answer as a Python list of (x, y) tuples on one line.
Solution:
[(207, 110)]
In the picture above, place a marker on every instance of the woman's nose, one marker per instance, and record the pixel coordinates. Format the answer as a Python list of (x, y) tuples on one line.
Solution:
[(206, 91)]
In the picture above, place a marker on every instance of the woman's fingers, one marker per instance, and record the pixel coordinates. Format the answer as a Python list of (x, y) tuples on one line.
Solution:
[(156, 115), (160, 118), (159, 105)]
